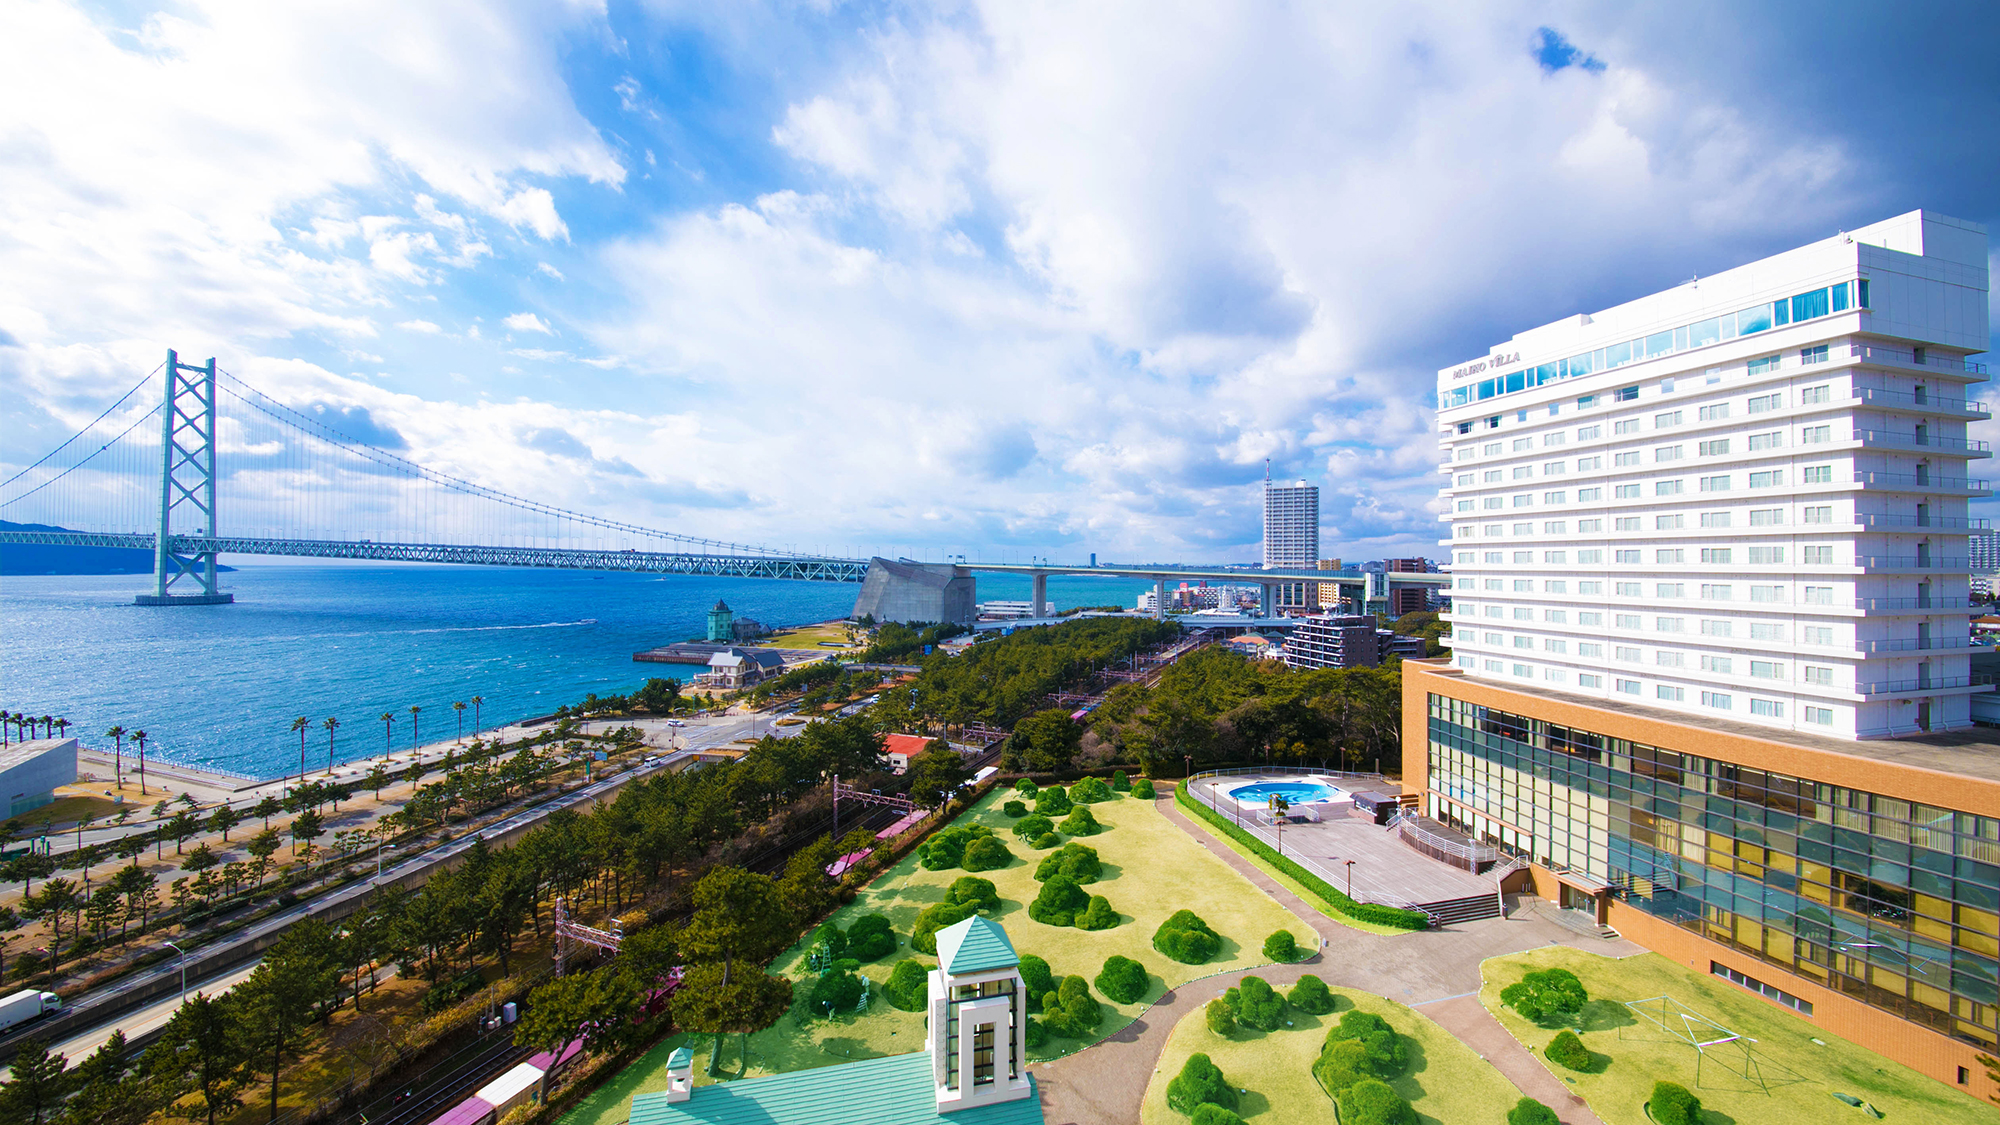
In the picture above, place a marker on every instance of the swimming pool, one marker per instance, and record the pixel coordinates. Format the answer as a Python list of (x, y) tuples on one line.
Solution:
[(1260, 793)]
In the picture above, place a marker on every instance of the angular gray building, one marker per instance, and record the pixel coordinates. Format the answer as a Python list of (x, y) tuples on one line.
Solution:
[(913, 592)]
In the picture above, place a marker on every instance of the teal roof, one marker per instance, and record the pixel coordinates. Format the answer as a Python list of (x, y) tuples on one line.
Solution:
[(976, 945), (892, 1091), (681, 1059)]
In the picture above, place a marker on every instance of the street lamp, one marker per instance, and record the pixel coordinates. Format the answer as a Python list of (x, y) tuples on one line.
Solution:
[(1350, 879), (184, 969)]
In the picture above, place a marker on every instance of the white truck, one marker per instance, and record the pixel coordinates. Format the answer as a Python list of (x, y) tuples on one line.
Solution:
[(26, 1005)]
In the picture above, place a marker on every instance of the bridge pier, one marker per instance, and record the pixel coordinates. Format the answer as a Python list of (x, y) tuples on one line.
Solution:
[(187, 476), (1040, 596), (1160, 598), (1265, 600)]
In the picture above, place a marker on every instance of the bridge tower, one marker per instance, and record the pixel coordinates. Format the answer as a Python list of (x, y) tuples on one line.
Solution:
[(187, 486)]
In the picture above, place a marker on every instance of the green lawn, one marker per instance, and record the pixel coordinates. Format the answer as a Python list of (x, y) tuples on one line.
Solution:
[(1291, 884), (1448, 1083), (1151, 869), (808, 636), (1632, 1052)]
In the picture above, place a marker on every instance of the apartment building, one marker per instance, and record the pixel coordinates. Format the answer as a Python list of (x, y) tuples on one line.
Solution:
[(1291, 539)]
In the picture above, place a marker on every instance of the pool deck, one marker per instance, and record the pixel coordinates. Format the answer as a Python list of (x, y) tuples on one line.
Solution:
[(1385, 869)]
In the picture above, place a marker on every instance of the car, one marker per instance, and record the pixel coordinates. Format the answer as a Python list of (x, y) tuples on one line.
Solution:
[(676, 722)]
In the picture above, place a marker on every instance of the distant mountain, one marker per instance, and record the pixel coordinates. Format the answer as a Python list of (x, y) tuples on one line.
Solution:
[(37, 558)]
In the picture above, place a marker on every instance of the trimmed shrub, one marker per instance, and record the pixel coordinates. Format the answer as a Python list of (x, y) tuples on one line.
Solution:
[(1071, 1011), (1372, 1101), (1119, 782), (1548, 995), (1077, 862), (1081, 823), (839, 988), (1361, 1046), (987, 854), (909, 986), (946, 847), (1090, 791), (1045, 841), (1026, 788), (1256, 1004), (1038, 979), (849, 964), (1053, 801), (1566, 1050), (1212, 1114), (1187, 939), (1122, 979), (1674, 1104), (1097, 916), (1200, 1082), (1221, 1021), (1036, 1034), (1326, 892), (1033, 826), (1143, 788), (830, 936), (870, 938), (1282, 947), (1311, 996), (1059, 903), (923, 935), (1528, 1111), (974, 891), (1014, 809)]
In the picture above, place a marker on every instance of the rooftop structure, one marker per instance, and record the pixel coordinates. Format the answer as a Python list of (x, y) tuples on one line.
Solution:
[(31, 771)]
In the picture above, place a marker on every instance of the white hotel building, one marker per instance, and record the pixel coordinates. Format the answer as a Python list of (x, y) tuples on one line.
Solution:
[(1745, 496)]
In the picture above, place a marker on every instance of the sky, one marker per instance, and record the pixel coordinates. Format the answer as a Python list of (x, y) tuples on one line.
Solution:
[(1009, 279)]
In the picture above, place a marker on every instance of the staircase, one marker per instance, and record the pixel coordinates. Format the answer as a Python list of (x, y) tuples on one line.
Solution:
[(1472, 908)]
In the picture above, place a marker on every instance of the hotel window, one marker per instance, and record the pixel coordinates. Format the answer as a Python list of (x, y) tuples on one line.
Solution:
[(1815, 435), (1523, 670), (1821, 514), (1585, 679), (1521, 443), (1555, 557), (1772, 440), (1768, 708), (1494, 665), (1629, 687), (1495, 502), (1821, 715), (1524, 642), (1818, 474), (1667, 453), (1818, 595), (1494, 557), (1769, 479), (1556, 646), (1669, 624), (1766, 556), (1815, 635), (1628, 458), (1771, 631), (1556, 616), (1524, 500), (1673, 555), (1628, 655), (1669, 589), (1816, 556), (1491, 449), (1716, 554), (1524, 529), (1625, 426), (1461, 531), (1555, 497), (1720, 664), (1626, 557), (1492, 639), (1589, 495), (1627, 492), (1592, 557), (1712, 628), (1589, 464), (1712, 413), (1590, 649), (1589, 526), (1554, 468), (1717, 448), (1669, 693), (1555, 527), (1465, 480), (1819, 677), (1672, 522), (1465, 454), (1626, 620), (1625, 394), (1665, 421), (1767, 593), (1629, 589), (1666, 659), (1495, 476), (1715, 484), (1759, 366), (1524, 472), (1525, 585), (1465, 505), (1716, 700), (1554, 439), (1666, 488), (1767, 670), (1715, 519), (1716, 593), (1767, 517)]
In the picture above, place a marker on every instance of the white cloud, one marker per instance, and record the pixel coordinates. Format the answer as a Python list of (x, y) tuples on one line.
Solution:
[(423, 326), (528, 322), (548, 270)]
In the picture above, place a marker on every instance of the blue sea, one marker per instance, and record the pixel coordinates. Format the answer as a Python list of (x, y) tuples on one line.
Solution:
[(219, 686)]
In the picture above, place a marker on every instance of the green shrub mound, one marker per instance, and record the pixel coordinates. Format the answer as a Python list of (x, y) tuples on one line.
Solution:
[(1053, 802), (870, 938), (1035, 1035), (1566, 1050), (1122, 979), (1076, 862), (1119, 782), (1212, 1114), (1282, 947), (1026, 788), (1014, 809), (1045, 841), (1080, 823), (1528, 1111), (1097, 916), (987, 853), (974, 890), (1256, 1004), (1372, 1101), (1059, 903), (1038, 979), (1361, 1046), (1031, 827), (1187, 939), (1090, 791), (923, 935), (839, 988), (909, 986), (946, 847), (829, 935), (1199, 1083), (1221, 1021), (1071, 1011), (1673, 1104), (850, 964), (1325, 891), (1546, 996), (1312, 996), (1143, 788)]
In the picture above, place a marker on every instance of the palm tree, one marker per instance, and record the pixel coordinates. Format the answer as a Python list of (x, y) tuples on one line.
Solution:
[(476, 701), (460, 708), (299, 726), (118, 760), (414, 744), (62, 726), (139, 736), (388, 720), (48, 726), (331, 724)]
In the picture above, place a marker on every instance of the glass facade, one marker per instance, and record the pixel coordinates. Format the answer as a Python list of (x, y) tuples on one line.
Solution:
[(983, 1039), (1714, 330), (1893, 903)]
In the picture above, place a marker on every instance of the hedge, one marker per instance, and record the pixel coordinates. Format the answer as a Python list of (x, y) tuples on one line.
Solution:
[(1360, 911)]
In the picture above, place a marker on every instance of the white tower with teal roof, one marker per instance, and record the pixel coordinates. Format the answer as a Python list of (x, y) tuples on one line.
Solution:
[(978, 1015)]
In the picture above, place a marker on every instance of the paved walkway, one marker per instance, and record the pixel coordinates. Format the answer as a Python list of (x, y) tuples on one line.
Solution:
[(1435, 972)]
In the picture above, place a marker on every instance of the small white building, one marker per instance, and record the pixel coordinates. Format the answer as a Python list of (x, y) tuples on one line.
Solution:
[(30, 772)]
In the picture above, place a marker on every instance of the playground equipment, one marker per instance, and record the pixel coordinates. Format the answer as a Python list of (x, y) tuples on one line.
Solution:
[(1734, 1052)]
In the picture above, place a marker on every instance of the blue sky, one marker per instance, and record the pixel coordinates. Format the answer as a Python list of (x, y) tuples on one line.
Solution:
[(1010, 277)]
